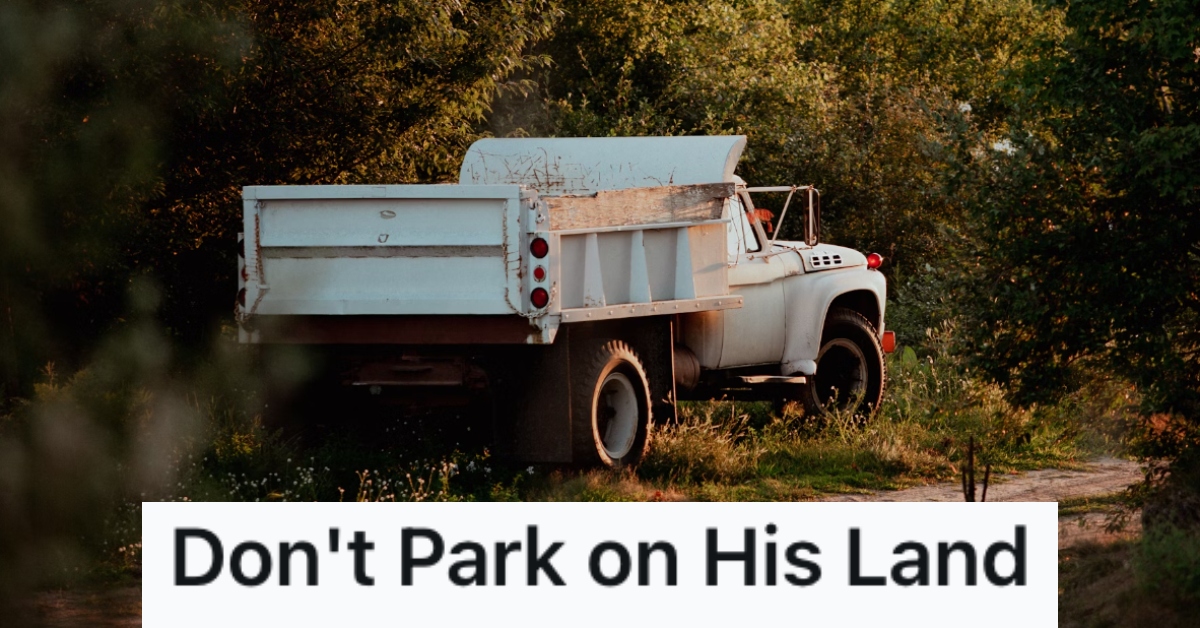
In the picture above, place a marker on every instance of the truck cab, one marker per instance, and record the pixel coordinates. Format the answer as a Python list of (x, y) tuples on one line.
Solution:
[(771, 347)]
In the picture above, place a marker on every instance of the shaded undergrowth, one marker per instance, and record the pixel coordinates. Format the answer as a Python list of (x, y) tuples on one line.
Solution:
[(719, 450)]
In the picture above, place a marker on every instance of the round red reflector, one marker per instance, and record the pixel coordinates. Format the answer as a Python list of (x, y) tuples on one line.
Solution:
[(539, 247), (874, 260), (539, 297), (539, 273)]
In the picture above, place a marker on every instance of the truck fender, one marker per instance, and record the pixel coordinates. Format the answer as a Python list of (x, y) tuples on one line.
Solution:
[(808, 298)]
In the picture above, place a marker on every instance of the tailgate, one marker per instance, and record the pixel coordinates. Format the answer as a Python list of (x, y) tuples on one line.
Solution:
[(393, 249)]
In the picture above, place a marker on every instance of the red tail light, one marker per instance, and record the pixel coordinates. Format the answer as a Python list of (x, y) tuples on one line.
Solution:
[(874, 260), (539, 273), (539, 247), (539, 297)]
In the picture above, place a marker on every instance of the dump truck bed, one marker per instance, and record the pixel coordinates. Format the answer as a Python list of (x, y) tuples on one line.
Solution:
[(343, 256), (393, 249)]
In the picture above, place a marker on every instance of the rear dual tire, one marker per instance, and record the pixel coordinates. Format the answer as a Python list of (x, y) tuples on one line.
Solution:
[(610, 407)]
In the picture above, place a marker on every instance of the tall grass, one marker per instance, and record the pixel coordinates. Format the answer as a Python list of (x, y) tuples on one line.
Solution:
[(719, 450), (932, 409)]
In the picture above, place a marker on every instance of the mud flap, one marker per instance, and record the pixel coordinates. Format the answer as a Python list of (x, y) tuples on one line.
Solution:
[(535, 423)]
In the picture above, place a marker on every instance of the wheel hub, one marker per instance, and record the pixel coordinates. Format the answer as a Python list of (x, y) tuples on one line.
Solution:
[(617, 415), (841, 378)]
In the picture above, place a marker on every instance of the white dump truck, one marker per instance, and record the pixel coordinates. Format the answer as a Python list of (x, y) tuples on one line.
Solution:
[(580, 285)]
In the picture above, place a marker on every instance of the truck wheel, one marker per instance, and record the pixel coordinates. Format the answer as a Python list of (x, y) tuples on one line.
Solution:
[(850, 371), (611, 413)]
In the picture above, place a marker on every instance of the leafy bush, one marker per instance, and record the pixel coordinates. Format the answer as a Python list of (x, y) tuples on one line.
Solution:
[(1167, 562)]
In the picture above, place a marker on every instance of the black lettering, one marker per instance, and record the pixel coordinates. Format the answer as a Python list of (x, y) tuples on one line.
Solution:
[(856, 577), (813, 569), (622, 559), (478, 564), (408, 561), (944, 551), (360, 546), (713, 557), (920, 563), (502, 552), (541, 563), (644, 551), (285, 562), (770, 530), (771, 564), (1018, 552), (264, 564), (214, 545)]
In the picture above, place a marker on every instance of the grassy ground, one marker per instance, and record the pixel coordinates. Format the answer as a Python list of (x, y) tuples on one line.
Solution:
[(716, 451)]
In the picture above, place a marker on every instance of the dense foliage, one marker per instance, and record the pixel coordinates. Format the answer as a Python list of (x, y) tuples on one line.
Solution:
[(1089, 230), (131, 125), (1030, 168)]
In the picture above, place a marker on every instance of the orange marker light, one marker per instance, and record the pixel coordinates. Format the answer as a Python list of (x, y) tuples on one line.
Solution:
[(888, 341)]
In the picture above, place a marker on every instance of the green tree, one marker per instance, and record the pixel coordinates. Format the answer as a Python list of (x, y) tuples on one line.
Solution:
[(1090, 229), (880, 104), (131, 125)]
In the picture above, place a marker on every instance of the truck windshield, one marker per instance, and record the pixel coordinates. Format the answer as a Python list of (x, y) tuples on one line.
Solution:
[(739, 234)]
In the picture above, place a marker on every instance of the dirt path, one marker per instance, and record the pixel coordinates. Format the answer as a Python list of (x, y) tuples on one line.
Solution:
[(121, 607), (1101, 478)]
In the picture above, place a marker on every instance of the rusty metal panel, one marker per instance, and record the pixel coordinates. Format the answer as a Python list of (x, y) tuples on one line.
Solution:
[(639, 206), (657, 308), (556, 166)]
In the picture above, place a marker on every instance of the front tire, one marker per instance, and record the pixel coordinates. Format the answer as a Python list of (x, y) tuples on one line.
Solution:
[(850, 374), (611, 407)]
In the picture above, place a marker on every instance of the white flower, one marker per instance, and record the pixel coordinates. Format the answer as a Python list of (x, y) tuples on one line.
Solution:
[(964, 107), (1004, 146)]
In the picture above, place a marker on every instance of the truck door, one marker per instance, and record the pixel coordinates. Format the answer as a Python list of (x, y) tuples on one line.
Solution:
[(754, 333)]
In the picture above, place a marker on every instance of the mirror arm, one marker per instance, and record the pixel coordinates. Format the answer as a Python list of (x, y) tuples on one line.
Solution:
[(813, 224), (782, 215)]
